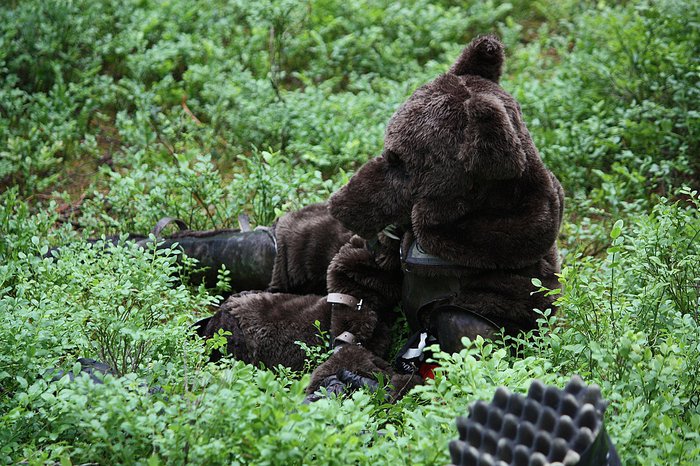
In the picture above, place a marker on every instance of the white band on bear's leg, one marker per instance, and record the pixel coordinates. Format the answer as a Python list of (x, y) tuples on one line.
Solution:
[(344, 339), (346, 299)]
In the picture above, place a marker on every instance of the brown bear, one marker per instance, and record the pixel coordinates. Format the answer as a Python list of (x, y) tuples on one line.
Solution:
[(452, 221)]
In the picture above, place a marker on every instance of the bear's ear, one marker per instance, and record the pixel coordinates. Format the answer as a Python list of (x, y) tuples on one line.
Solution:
[(484, 57), (492, 149)]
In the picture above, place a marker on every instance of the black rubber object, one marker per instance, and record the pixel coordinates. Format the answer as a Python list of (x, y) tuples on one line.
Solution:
[(87, 366), (249, 255), (90, 367), (450, 323), (547, 427)]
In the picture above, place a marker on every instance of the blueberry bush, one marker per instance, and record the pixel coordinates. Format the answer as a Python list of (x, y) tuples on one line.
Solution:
[(115, 114)]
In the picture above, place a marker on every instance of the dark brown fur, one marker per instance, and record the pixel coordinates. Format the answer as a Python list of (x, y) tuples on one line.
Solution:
[(459, 169), (265, 326), (459, 174), (307, 241), (366, 364)]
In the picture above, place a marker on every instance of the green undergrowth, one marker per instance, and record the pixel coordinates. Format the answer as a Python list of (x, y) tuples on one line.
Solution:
[(115, 114)]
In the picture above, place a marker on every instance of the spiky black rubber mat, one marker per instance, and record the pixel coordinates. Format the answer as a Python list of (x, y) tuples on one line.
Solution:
[(548, 427)]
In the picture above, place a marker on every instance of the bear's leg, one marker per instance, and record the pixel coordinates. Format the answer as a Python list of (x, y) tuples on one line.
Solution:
[(235, 342), (307, 241), (364, 284), (266, 328)]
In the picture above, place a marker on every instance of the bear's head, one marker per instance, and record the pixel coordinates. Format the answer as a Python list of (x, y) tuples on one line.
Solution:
[(446, 149)]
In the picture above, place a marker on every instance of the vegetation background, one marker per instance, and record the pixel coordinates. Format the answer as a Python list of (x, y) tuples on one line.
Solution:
[(114, 114)]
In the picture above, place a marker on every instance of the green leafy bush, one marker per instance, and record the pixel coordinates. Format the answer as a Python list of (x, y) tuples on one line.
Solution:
[(115, 114), (618, 98)]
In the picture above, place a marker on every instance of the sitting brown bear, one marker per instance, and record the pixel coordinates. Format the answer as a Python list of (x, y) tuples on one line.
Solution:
[(452, 221)]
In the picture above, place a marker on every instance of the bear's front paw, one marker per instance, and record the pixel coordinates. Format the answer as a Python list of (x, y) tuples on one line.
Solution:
[(344, 381), (349, 365), (355, 367)]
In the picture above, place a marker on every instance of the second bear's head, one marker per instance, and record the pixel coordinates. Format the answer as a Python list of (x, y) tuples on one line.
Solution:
[(454, 140)]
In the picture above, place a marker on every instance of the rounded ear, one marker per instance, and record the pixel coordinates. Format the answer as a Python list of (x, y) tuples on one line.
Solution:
[(484, 57), (492, 149)]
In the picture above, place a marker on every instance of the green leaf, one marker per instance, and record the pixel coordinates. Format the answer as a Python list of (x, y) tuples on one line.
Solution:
[(21, 381), (617, 229)]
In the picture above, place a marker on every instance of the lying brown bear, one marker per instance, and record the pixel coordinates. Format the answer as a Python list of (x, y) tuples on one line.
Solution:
[(452, 221)]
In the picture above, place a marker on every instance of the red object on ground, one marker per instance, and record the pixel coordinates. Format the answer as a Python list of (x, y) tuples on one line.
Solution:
[(426, 370)]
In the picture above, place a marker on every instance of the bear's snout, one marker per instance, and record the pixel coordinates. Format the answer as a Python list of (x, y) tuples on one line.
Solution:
[(373, 198)]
